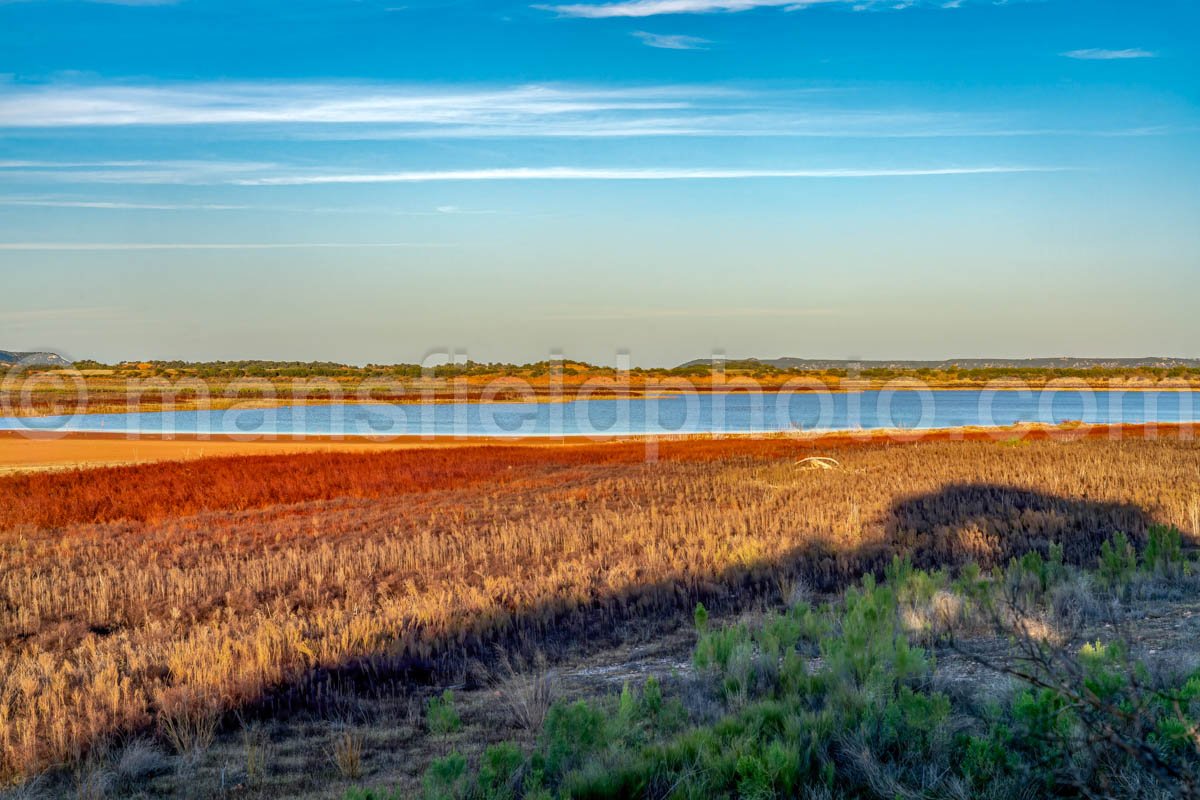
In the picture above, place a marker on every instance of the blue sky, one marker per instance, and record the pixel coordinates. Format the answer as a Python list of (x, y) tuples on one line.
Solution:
[(381, 181)]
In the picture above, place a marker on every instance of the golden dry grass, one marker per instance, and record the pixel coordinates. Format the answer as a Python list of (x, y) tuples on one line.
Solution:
[(123, 625)]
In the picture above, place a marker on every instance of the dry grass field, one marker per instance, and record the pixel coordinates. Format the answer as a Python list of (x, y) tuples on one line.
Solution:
[(156, 598)]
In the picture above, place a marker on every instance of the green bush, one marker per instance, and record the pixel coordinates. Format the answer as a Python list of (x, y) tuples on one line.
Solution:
[(1164, 551), (1118, 563), (839, 697), (570, 734), (500, 772), (446, 778), (441, 716), (715, 649), (370, 794)]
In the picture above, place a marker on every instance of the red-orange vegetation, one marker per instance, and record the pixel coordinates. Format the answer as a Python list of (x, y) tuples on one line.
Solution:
[(150, 492)]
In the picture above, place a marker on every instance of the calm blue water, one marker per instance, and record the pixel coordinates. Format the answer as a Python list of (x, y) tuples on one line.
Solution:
[(727, 413)]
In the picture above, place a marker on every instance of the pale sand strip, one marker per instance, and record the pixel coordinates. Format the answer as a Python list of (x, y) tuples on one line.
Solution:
[(22, 453)]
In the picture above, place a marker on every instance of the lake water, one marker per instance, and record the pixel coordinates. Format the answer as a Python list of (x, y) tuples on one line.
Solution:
[(683, 414)]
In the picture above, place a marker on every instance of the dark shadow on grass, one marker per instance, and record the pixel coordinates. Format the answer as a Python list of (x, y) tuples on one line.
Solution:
[(980, 523), (989, 524)]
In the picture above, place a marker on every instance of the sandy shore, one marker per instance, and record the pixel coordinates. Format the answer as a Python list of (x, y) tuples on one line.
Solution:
[(21, 452)]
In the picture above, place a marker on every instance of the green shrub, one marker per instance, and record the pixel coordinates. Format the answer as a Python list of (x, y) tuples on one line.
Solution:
[(1031, 576), (1106, 672), (870, 651), (441, 716), (911, 722), (1164, 551), (780, 633), (499, 772), (571, 733), (1118, 563), (446, 778), (358, 793), (714, 649), (987, 758), (1042, 723), (1176, 725), (753, 780), (641, 717)]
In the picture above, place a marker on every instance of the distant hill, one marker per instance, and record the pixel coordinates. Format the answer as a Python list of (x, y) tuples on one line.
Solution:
[(40, 359), (1063, 362)]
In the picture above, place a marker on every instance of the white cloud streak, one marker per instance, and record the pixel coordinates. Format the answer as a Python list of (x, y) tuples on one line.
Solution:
[(367, 112), (622, 174), (105, 2), (117, 205), (252, 174), (301, 103), (147, 172), (198, 173), (1097, 54), (653, 8), (135, 246), (671, 41), (67, 164)]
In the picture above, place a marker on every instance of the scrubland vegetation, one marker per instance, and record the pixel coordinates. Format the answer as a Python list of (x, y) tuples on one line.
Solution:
[(158, 600), (158, 385), (475, 369), (842, 700)]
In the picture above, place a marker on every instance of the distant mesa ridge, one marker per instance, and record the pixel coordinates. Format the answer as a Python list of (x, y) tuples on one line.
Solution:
[(1063, 362), (816, 364), (38, 359)]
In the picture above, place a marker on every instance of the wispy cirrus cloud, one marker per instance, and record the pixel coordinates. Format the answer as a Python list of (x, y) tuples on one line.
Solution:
[(271, 103), (116, 205), (280, 175), (671, 41), (1098, 54), (132, 172), (28, 164), (349, 111), (125, 205), (624, 174), (99, 2), (653, 8)]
